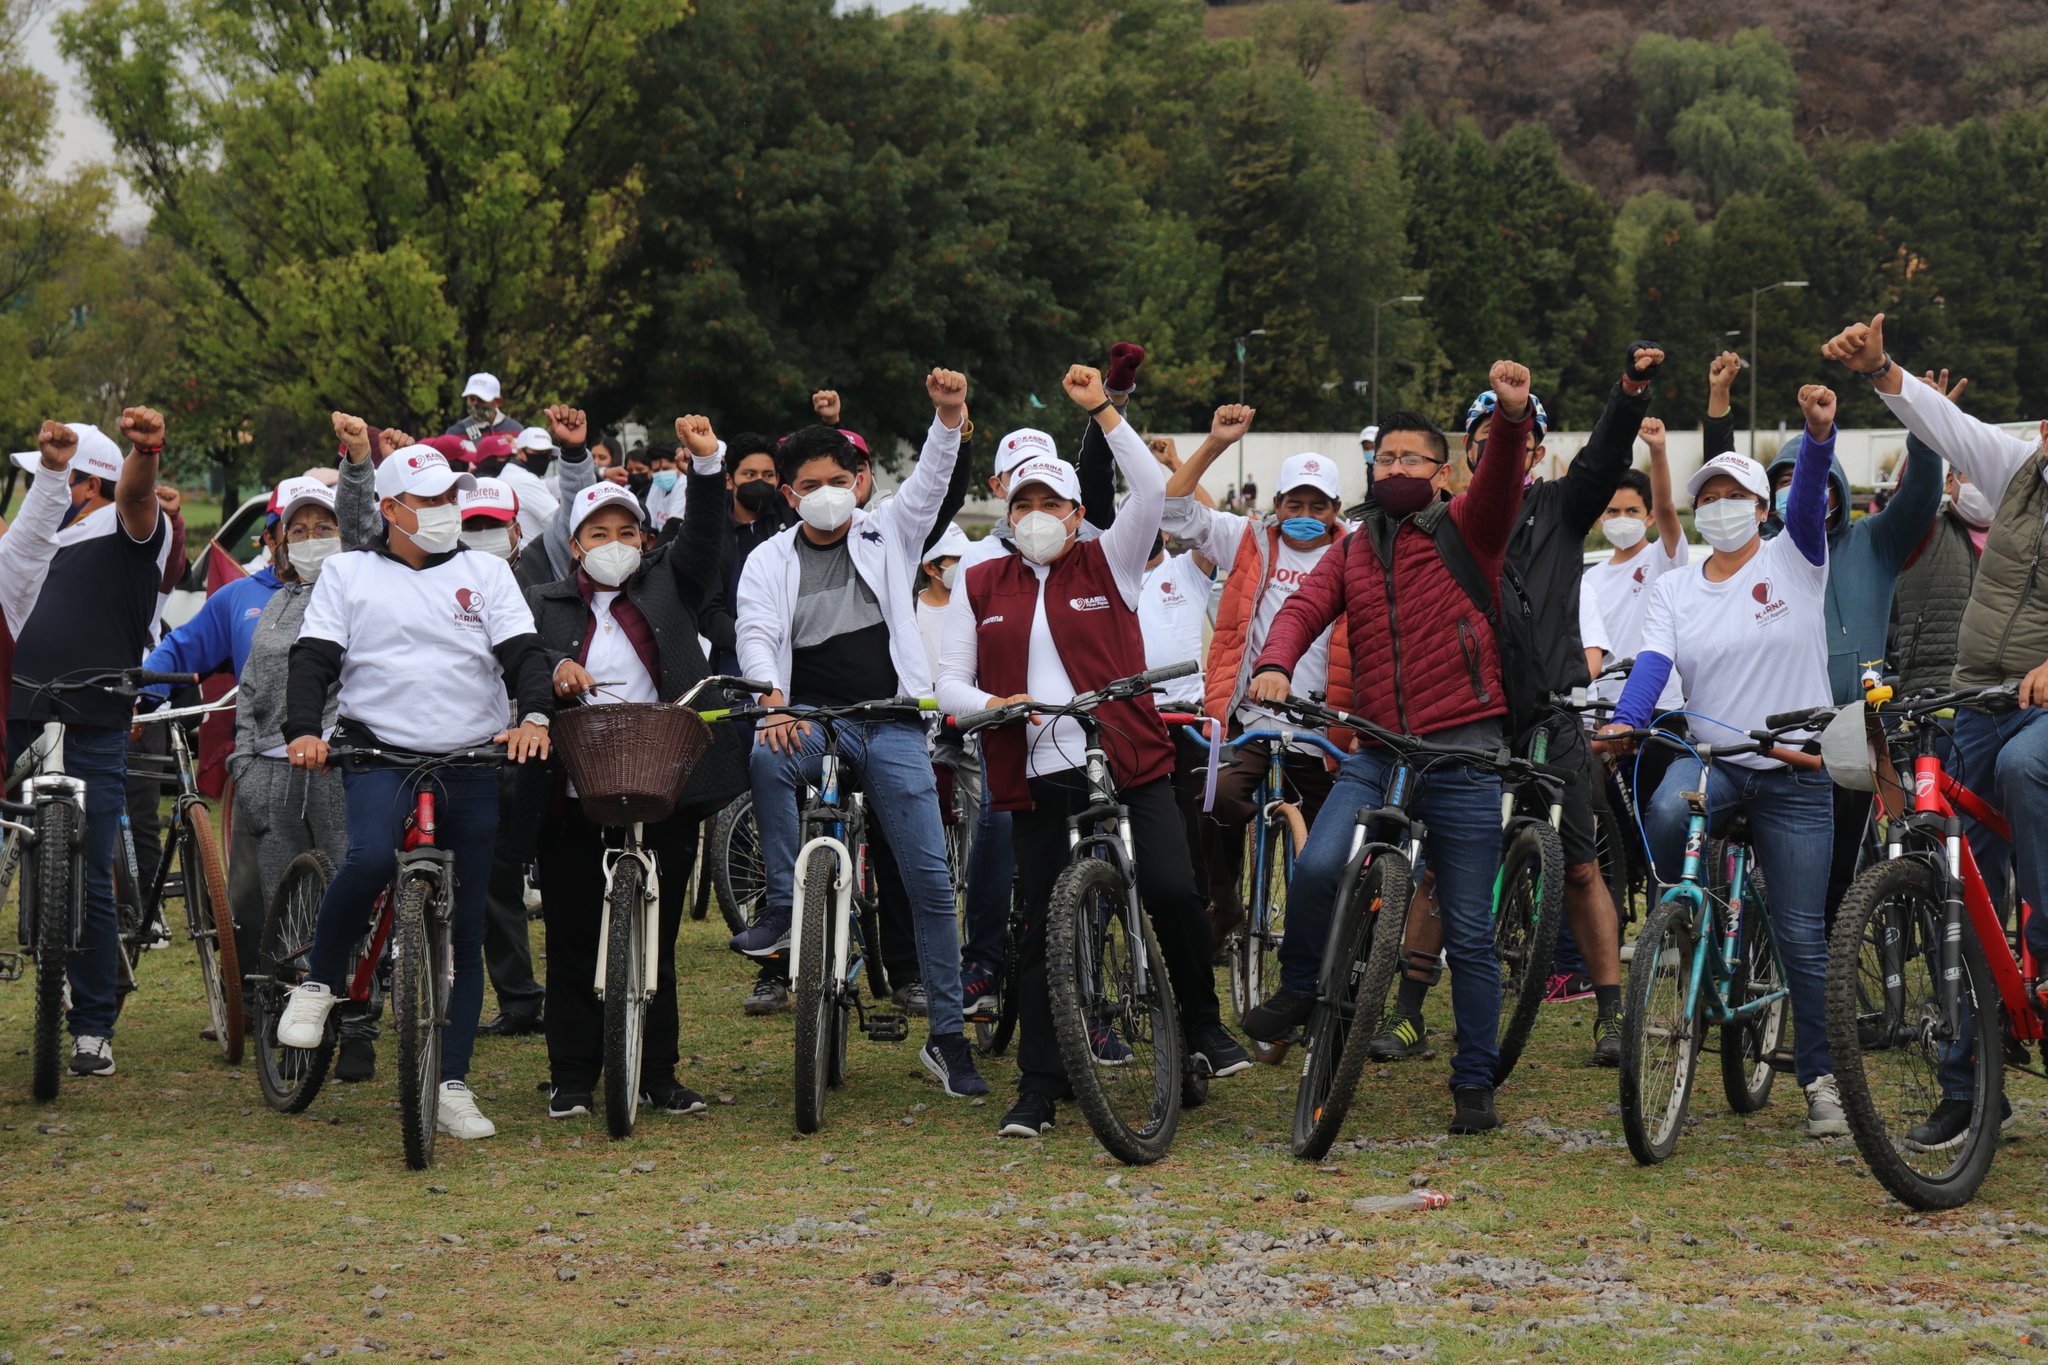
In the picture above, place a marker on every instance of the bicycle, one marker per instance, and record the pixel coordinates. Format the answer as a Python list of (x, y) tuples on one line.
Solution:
[(1104, 969), (50, 821), (412, 918), (732, 860), (1363, 949), (1918, 1001), (629, 763), (1706, 957)]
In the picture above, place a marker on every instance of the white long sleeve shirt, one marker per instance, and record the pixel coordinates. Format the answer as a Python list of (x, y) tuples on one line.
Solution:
[(1986, 455)]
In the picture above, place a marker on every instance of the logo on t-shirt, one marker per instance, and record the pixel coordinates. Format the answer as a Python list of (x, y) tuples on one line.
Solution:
[(1639, 573), (469, 606), (1088, 603), (1290, 578), (1773, 606)]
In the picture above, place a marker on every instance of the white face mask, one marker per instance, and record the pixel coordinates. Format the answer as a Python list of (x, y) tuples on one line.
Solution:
[(1972, 506), (1727, 524), (950, 575), (439, 529), (496, 542), (1623, 532), (612, 563), (1040, 536), (308, 555), (827, 508)]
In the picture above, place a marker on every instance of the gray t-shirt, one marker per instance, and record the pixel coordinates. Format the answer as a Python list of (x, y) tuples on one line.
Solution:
[(839, 643)]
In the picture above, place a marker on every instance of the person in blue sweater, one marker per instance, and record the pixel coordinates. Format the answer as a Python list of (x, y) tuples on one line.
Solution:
[(1865, 557)]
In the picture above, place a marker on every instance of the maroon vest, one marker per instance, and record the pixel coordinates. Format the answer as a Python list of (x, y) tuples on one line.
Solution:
[(1099, 641)]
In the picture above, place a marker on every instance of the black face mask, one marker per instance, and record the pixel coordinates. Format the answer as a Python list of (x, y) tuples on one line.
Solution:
[(758, 496), (639, 483)]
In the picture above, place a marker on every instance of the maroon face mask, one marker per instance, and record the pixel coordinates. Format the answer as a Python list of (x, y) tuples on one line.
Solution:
[(1403, 497)]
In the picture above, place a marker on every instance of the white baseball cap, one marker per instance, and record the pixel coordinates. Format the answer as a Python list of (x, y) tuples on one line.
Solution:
[(1370, 436), (1025, 443), (421, 471), (1741, 468), (96, 455), (604, 493), (951, 544), (481, 385), (295, 493), (534, 438), (1310, 470), (492, 498), (1054, 473)]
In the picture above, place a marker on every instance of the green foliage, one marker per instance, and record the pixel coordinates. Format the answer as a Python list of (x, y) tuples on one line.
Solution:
[(1731, 142)]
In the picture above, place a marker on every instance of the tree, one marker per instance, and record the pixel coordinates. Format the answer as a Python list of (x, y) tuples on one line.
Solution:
[(1668, 295), (376, 200)]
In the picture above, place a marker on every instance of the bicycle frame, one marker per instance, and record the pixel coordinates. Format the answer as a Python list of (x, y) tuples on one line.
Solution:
[(1103, 830), (848, 874), (650, 901), (1714, 970), (422, 856)]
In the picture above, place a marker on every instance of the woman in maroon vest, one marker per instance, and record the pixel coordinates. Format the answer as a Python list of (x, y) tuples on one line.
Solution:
[(1055, 620)]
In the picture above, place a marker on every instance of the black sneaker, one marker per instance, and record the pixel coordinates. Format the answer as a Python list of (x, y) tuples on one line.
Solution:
[(512, 1023), (770, 995), (92, 1055), (979, 992), (672, 1097), (1607, 1040), (767, 936), (1029, 1117), (1399, 1037), (911, 999), (356, 1060), (1269, 1021), (1948, 1125), (948, 1057), (1218, 1054), (1474, 1112), (569, 1104)]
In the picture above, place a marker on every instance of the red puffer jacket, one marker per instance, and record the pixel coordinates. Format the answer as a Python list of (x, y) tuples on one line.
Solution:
[(1423, 656)]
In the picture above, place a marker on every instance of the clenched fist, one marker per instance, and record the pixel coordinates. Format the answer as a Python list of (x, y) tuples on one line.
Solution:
[(1721, 373), (1083, 384), (1644, 360), (143, 428), (568, 425), (171, 498), (1817, 401), (58, 444), (1860, 346), (390, 439), (825, 402), (1510, 384), (695, 432), (353, 433), (1652, 432), (1231, 422), (948, 390), (1165, 451)]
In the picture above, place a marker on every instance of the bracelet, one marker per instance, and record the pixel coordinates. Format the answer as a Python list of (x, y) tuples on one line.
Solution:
[(151, 451), (1881, 371), (1098, 409)]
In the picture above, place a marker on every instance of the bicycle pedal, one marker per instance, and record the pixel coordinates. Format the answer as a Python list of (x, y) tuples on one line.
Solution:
[(12, 965), (1781, 1060), (886, 1028)]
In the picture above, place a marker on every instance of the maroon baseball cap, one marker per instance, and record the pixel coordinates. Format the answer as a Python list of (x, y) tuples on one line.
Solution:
[(496, 446), (458, 451)]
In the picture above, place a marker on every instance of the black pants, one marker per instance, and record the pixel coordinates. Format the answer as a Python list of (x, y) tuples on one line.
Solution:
[(1166, 886), (892, 912), (572, 900), (1852, 811), (508, 949), (1238, 788), (150, 776), (1190, 785)]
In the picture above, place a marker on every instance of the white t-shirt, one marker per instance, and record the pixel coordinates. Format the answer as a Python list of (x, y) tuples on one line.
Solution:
[(1291, 568), (931, 628), (612, 658), (417, 666), (1747, 648), (1624, 592), (1593, 632), (1173, 604)]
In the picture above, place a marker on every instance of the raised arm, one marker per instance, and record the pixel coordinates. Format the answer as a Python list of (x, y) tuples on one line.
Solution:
[(355, 492), (574, 472), (1226, 428), (914, 511), (1902, 523), (1719, 426), (693, 556), (1485, 512), (30, 540), (1670, 530), (135, 491), (1596, 470), (1806, 506), (1098, 486), (1127, 543), (1168, 454)]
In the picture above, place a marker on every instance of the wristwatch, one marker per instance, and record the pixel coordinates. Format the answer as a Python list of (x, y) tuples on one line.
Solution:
[(540, 718), (1881, 371)]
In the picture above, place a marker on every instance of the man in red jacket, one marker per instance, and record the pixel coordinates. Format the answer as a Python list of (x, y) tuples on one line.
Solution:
[(1424, 662)]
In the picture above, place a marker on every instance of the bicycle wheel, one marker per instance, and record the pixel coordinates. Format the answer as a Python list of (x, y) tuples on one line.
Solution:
[(205, 881), (734, 860), (1610, 842), (625, 995), (1747, 1045), (1100, 1010), (1366, 932), (992, 1037), (1255, 948), (817, 999), (288, 1076), (49, 888), (1660, 1036), (1529, 903), (416, 1019), (1886, 1034)]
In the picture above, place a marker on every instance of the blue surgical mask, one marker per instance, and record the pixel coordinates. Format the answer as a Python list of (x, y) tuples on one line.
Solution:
[(1780, 498), (664, 479), (1303, 528)]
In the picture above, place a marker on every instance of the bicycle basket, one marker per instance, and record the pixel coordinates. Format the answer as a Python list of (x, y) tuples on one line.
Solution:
[(630, 761)]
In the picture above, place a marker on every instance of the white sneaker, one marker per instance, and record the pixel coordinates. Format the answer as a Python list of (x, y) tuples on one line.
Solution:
[(456, 1114), (1824, 1114), (304, 1021)]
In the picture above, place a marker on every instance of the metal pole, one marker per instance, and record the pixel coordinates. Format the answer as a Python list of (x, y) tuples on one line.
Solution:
[(1754, 294), (1376, 362), (1240, 403)]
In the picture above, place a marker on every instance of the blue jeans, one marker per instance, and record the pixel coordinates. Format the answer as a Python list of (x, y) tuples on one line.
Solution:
[(1460, 812), (890, 761), (1791, 829), (466, 823), (991, 867), (99, 755)]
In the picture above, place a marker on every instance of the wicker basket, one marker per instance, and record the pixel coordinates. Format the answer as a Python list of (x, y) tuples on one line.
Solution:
[(630, 760)]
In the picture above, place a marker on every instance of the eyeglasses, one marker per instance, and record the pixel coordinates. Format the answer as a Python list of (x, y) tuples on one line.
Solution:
[(305, 531), (1414, 464)]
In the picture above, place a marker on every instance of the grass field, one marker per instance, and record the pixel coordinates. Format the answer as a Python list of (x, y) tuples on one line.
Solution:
[(165, 1213)]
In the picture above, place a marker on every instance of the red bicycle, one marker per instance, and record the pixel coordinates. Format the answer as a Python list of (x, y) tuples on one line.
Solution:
[(412, 922), (1923, 1017)]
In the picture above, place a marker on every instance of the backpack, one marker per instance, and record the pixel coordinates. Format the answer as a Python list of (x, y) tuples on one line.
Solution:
[(1506, 608)]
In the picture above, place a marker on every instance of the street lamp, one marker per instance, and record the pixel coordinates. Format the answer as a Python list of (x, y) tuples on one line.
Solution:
[(1254, 332), (1403, 298), (1754, 295)]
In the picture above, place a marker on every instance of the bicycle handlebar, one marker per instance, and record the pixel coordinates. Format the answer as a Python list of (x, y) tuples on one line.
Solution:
[(1767, 742), (1123, 689), (487, 753), (126, 681), (886, 708), (1500, 761)]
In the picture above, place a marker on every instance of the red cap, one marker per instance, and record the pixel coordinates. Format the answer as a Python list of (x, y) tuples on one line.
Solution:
[(860, 442), (458, 451), (493, 447)]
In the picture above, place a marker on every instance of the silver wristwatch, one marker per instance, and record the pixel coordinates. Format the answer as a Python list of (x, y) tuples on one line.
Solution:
[(540, 718)]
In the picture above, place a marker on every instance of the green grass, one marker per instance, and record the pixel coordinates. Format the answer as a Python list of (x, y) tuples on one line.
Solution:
[(167, 1212)]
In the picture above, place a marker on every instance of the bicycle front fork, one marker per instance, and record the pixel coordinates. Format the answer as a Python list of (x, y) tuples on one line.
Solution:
[(649, 912)]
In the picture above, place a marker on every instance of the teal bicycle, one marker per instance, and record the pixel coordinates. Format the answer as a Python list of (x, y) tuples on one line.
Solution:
[(1706, 958)]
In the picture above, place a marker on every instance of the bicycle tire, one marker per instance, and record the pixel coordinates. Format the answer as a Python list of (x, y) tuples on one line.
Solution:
[(52, 888), (1372, 916), (416, 1020), (1871, 915), (737, 876), (290, 1077), (1661, 968), (816, 1000), (1747, 1045), (1609, 841), (625, 999), (206, 894), (1085, 921), (1525, 933), (1255, 948)]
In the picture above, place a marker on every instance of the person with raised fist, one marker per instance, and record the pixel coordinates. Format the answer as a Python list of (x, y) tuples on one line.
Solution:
[(96, 613)]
